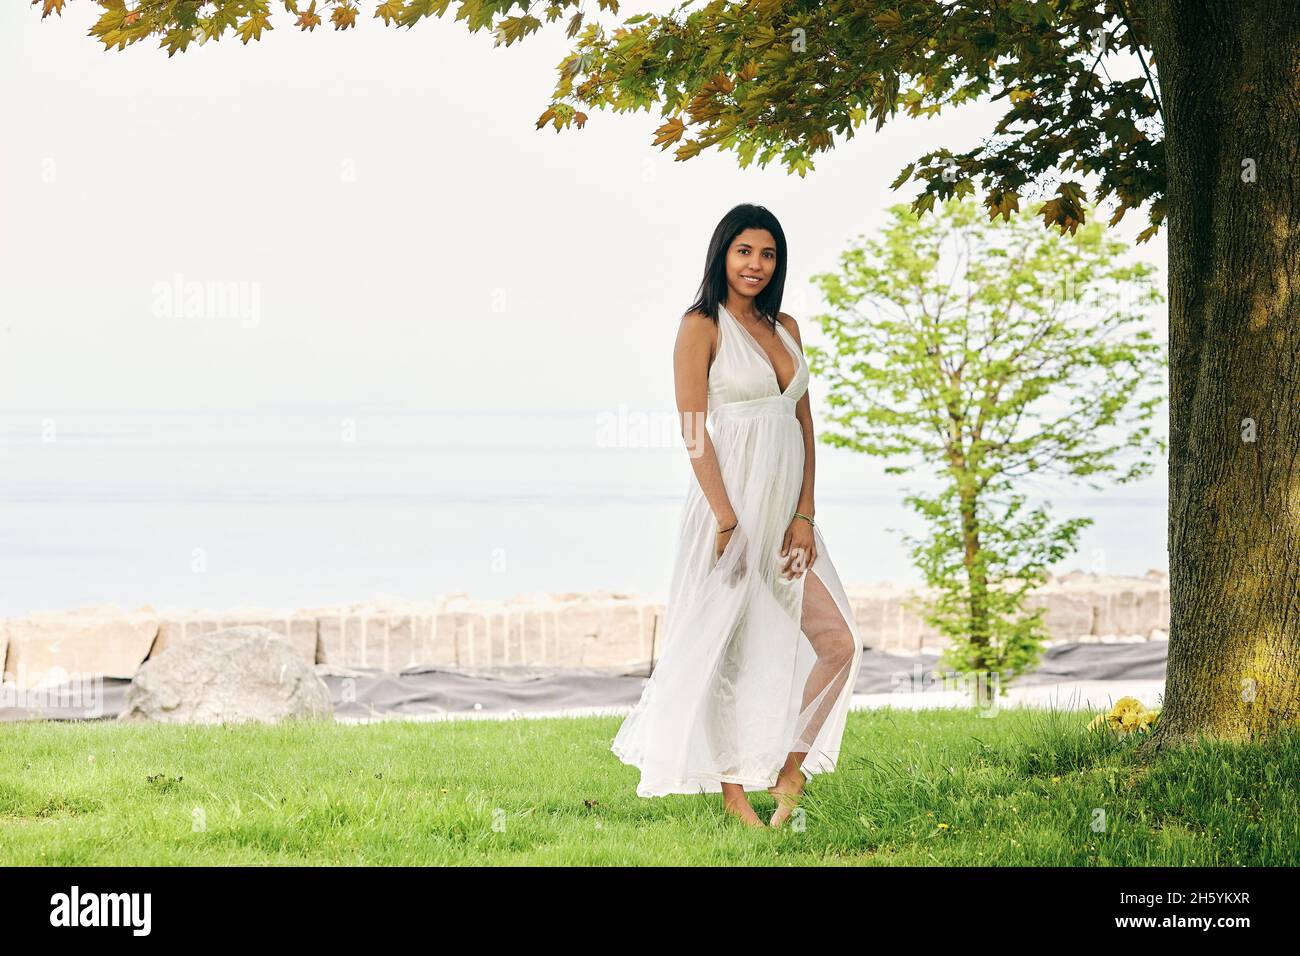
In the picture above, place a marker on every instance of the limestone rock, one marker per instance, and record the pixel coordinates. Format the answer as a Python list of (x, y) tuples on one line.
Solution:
[(239, 674)]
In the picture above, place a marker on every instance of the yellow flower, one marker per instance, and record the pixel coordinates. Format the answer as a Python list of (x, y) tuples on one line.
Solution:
[(1127, 716)]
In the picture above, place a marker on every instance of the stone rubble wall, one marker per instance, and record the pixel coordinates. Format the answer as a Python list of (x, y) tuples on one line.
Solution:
[(604, 630)]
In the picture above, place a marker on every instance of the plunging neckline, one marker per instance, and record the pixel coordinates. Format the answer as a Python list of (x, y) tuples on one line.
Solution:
[(767, 358)]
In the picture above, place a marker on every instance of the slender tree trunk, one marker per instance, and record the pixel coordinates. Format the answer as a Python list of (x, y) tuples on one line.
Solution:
[(982, 691), (976, 579), (1229, 74)]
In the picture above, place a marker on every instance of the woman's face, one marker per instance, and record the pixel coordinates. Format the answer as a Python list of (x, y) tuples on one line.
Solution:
[(752, 254)]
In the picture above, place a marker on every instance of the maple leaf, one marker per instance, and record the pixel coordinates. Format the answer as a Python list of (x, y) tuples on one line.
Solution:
[(389, 11), (251, 29), (50, 6), (670, 132), (422, 8), (1002, 203), (688, 149), (903, 176), (1072, 191), (561, 115), (344, 17), (1066, 210), (177, 39), (515, 28), (309, 19)]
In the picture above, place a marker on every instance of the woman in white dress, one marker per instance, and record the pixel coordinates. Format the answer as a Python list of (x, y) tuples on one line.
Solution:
[(760, 651)]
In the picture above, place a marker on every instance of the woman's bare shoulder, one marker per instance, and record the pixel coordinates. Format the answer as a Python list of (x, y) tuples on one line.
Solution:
[(791, 325), (697, 318), (698, 327)]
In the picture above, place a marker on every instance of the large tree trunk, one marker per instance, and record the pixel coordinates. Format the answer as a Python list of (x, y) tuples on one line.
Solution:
[(1229, 73)]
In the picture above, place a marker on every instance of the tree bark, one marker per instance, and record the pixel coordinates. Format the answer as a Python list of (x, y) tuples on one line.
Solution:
[(1229, 75)]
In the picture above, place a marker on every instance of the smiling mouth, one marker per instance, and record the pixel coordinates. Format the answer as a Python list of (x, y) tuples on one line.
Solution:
[(753, 279)]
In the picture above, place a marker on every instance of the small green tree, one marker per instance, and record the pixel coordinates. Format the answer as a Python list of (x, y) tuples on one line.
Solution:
[(990, 352)]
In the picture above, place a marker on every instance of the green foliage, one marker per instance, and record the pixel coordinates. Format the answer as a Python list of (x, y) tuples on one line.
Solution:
[(773, 79), (993, 353)]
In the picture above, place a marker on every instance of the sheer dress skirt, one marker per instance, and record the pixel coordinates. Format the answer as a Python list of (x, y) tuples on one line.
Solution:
[(753, 666)]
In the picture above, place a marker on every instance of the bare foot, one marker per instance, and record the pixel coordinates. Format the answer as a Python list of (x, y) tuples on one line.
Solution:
[(739, 807), (787, 790)]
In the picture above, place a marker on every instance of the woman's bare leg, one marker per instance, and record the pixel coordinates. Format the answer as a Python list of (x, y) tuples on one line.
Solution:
[(828, 632), (735, 802), (788, 788)]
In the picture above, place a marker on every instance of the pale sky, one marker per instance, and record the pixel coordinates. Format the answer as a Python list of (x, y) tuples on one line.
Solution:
[(407, 251), (401, 235)]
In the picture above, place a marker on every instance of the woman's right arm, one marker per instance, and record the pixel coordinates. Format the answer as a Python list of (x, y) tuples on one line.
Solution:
[(691, 356)]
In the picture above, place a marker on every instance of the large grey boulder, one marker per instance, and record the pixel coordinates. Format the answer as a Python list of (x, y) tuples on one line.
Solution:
[(245, 673)]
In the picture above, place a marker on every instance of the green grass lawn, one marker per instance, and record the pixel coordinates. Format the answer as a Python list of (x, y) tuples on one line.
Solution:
[(939, 787)]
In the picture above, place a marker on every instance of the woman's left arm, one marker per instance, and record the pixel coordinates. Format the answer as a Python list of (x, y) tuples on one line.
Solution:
[(799, 536)]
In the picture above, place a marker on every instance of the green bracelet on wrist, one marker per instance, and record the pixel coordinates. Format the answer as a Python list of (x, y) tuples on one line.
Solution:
[(805, 518)]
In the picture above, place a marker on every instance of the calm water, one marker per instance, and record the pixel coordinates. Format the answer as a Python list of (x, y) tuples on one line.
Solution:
[(289, 508)]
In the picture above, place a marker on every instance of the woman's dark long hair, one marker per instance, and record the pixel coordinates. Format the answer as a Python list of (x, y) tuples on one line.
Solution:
[(713, 288)]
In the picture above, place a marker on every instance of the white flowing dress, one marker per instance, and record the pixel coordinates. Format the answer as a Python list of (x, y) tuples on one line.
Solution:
[(753, 665)]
